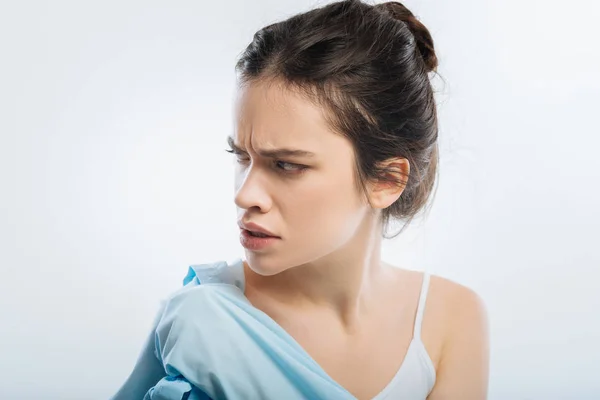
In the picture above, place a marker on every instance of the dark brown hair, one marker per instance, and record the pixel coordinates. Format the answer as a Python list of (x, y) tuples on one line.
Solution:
[(368, 66)]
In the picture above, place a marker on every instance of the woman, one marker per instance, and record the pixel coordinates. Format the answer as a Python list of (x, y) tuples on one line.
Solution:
[(336, 137)]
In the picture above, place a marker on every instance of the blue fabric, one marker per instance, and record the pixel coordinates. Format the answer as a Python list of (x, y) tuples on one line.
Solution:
[(212, 342)]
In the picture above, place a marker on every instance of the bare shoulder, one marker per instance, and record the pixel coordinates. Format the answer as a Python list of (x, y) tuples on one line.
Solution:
[(456, 298), (455, 326), (451, 309), (454, 307), (449, 305), (454, 333), (446, 299)]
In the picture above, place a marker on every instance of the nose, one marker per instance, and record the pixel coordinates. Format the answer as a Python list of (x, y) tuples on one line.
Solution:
[(251, 190)]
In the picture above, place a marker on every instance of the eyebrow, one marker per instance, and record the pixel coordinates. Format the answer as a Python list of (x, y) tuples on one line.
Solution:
[(273, 153)]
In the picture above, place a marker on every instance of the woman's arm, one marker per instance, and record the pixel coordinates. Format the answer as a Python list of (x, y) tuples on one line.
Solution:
[(148, 370), (464, 364)]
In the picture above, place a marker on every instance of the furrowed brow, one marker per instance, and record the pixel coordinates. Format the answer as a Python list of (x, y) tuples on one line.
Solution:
[(272, 153)]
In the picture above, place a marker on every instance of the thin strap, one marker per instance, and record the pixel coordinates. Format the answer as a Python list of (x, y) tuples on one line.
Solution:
[(421, 306)]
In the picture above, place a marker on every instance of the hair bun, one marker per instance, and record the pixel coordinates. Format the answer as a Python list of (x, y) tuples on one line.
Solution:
[(398, 11)]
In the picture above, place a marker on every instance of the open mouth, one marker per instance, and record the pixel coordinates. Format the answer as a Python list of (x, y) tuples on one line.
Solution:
[(258, 234)]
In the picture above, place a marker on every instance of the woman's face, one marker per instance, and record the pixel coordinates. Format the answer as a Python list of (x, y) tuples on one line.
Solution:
[(310, 201)]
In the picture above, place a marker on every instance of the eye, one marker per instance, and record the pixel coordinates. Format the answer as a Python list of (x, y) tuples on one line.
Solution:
[(286, 165), (281, 166)]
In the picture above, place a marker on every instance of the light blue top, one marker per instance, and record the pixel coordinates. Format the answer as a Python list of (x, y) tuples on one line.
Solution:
[(209, 342)]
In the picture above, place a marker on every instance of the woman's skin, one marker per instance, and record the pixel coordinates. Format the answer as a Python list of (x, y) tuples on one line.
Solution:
[(324, 281)]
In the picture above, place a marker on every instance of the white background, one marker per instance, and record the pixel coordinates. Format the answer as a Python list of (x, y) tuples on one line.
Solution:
[(114, 178)]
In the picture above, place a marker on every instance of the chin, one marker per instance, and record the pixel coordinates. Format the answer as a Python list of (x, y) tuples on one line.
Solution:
[(263, 266)]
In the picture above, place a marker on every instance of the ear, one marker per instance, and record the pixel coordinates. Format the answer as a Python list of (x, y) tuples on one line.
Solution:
[(382, 193)]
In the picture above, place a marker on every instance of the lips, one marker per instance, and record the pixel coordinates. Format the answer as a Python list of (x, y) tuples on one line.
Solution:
[(255, 228), (255, 243), (258, 234)]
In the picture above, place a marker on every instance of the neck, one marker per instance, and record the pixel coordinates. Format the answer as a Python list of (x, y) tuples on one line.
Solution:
[(345, 282)]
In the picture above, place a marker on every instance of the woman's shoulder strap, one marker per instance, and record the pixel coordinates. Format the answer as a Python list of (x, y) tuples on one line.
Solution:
[(421, 306)]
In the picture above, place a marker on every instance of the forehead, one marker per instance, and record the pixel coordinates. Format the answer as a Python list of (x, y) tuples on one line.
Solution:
[(269, 114)]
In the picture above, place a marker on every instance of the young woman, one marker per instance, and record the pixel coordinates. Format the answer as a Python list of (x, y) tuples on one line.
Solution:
[(336, 136)]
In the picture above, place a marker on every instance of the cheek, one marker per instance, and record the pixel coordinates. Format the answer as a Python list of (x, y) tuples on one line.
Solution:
[(330, 205)]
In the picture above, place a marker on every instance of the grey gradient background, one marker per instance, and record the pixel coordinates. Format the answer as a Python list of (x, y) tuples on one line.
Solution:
[(114, 178)]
